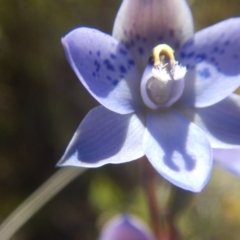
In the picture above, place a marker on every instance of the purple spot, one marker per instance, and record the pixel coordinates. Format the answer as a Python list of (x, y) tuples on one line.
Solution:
[(213, 60), (109, 66), (130, 62), (215, 49), (132, 43), (122, 69), (190, 55), (94, 74), (127, 45), (97, 65), (200, 57), (182, 55), (204, 73), (123, 51), (226, 43), (160, 38), (138, 37), (113, 56), (140, 50), (98, 53), (90, 52), (235, 56), (171, 33), (115, 82), (109, 78)]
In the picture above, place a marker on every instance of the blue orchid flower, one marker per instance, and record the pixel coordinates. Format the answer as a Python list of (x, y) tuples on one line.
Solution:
[(125, 227), (165, 92)]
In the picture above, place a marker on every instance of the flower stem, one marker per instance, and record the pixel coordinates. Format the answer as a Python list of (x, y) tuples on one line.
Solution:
[(149, 185), (178, 202), (36, 200)]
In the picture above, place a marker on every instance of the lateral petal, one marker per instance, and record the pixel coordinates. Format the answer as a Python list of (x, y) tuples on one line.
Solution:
[(212, 57), (105, 137), (105, 68)]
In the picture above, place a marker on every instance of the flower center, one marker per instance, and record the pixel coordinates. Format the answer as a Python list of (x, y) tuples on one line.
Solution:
[(162, 82)]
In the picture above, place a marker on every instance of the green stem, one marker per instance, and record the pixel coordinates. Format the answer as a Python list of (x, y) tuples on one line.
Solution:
[(149, 185), (36, 200), (179, 200)]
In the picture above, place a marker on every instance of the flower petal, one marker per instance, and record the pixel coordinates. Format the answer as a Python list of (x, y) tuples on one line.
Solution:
[(141, 25), (125, 227), (213, 59), (229, 159), (105, 137), (178, 150), (105, 68), (220, 122)]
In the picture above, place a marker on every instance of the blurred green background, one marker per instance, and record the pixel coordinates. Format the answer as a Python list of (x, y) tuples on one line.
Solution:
[(41, 105)]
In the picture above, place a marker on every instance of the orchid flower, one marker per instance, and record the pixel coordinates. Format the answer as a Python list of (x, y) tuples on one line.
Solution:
[(125, 227), (165, 92)]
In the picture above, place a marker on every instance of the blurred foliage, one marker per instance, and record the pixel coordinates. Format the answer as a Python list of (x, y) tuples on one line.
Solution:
[(215, 212), (41, 105)]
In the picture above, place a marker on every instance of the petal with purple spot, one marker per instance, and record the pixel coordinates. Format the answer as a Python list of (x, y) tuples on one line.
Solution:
[(212, 57), (178, 150), (141, 25), (105, 137), (105, 68)]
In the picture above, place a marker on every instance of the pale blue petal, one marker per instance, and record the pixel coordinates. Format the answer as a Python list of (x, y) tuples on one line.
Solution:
[(105, 68), (228, 159), (178, 150), (220, 122), (143, 24), (125, 227), (212, 57), (105, 137)]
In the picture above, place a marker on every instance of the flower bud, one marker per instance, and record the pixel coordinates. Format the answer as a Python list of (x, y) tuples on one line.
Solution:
[(125, 227)]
